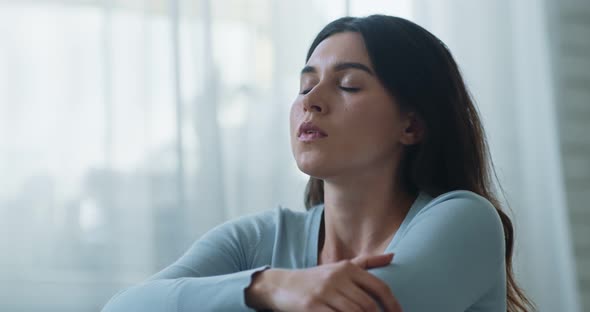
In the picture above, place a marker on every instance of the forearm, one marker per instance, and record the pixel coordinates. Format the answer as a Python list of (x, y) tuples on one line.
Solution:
[(219, 293)]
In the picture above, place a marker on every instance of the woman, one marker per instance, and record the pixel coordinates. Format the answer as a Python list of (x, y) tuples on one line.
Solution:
[(398, 163)]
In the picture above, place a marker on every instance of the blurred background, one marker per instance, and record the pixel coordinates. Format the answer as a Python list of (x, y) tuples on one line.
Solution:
[(128, 128)]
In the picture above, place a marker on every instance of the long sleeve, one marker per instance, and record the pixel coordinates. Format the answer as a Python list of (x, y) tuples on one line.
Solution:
[(211, 276), (449, 257)]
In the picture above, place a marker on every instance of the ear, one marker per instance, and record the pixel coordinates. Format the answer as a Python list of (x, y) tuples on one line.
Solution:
[(414, 128)]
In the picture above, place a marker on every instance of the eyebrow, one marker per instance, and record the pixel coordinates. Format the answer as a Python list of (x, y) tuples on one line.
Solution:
[(340, 67)]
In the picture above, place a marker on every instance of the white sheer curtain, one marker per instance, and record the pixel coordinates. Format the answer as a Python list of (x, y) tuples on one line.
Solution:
[(503, 50), (128, 128)]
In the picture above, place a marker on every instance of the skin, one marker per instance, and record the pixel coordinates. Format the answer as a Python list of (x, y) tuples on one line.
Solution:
[(358, 162)]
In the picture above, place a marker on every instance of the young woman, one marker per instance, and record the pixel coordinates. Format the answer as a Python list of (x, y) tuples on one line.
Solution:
[(398, 163)]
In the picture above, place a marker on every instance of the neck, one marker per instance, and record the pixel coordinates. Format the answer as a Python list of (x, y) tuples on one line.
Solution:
[(361, 216)]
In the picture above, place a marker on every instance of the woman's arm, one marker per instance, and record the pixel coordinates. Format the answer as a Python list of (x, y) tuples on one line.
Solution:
[(343, 286), (210, 276), (451, 254)]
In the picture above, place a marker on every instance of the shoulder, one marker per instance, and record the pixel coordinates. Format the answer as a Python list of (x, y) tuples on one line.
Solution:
[(271, 217), (463, 219), (461, 204), (263, 223), (460, 231), (252, 224), (452, 252)]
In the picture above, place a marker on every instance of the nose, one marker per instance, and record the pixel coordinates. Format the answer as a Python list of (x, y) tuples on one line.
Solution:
[(311, 107), (314, 102)]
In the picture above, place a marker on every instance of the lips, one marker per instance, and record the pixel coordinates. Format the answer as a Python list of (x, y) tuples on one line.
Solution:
[(308, 132)]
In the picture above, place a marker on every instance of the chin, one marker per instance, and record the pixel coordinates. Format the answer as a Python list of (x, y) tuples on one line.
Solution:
[(313, 168)]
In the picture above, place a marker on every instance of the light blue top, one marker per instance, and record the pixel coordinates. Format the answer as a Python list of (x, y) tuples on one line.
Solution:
[(449, 256)]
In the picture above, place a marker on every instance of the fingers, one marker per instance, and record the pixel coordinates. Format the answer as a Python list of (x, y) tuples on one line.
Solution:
[(378, 289), (326, 309), (360, 300), (343, 302), (368, 262)]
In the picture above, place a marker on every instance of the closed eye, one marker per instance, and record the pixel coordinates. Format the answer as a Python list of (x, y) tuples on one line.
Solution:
[(352, 90), (347, 89)]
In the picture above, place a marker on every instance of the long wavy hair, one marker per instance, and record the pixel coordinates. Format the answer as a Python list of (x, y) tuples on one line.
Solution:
[(420, 72)]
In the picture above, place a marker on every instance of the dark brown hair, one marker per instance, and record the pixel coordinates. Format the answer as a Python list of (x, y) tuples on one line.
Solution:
[(420, 72)]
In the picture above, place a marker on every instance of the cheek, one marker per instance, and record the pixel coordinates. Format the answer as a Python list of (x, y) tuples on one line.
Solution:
[(374, 125)]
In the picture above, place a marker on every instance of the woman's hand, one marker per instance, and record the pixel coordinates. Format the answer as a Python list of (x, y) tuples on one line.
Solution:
[(342, 286)]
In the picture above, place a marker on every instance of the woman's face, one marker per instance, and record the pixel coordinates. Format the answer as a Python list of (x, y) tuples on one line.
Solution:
[(351, 124)]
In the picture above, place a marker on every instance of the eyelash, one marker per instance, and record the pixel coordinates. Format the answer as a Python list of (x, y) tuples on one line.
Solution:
[(351, 90)]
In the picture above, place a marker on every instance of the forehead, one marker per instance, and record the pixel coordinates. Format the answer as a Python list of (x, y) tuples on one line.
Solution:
[(340, 47)]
